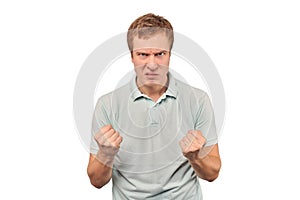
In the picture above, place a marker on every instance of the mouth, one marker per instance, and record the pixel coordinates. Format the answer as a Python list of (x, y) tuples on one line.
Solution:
[(151, 75)]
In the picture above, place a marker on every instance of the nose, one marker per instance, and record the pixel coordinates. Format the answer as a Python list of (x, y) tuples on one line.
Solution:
[(151, 63), (151, 59), (152, 67)]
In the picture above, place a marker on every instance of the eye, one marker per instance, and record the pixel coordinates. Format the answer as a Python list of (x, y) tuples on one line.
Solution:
[(142, 54), (160, 54)]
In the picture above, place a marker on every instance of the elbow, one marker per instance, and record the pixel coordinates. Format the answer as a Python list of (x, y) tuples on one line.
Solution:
[(97, 184), (214, 173), (96, 181), (209, 177), (212, 178)]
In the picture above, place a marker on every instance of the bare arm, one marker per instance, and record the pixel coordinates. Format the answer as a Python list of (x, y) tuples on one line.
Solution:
[(207, 166), (205, 161), (99, 173), (100, 165)]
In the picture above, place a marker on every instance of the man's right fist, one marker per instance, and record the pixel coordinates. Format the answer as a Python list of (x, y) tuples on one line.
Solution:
[(109, 142), (108, 137)]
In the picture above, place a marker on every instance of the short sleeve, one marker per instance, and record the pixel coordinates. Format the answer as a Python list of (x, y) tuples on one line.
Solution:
[(205, 120), (100, 119)]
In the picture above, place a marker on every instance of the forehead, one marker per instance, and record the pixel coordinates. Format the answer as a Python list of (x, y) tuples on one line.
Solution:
[(158, 41), (149, 50)]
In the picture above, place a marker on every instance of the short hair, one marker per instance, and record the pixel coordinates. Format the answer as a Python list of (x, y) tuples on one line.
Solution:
[(148, 25)]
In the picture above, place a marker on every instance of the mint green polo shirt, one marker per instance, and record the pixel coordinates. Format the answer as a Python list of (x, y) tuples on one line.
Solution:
[(150, 164)]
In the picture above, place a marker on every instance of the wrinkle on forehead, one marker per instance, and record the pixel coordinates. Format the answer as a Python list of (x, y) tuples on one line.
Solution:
[(150, 50), (158, 42)]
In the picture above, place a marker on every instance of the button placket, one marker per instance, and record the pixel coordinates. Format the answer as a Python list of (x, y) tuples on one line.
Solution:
[(154, 115)]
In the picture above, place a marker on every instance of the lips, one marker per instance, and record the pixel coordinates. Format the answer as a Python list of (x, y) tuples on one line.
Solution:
[(151, 76)]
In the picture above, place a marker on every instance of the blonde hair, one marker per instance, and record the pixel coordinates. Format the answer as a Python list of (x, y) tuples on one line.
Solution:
[(148, 25)]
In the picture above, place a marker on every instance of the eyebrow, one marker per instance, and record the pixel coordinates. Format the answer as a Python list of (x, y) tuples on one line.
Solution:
[(148, 53)]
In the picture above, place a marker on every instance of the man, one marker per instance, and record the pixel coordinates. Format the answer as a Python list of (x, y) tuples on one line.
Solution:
[(155, 135)]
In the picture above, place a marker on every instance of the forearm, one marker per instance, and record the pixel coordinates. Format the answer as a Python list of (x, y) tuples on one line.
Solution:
[(207, 167), (99, 173), (100, 165)]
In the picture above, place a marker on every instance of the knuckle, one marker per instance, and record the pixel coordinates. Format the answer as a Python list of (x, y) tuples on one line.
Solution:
[(115, 144), (106, 128), (103, 129), (97, 135)]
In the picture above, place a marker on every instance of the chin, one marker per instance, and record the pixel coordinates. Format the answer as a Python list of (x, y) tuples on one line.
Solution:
[(152, 83)]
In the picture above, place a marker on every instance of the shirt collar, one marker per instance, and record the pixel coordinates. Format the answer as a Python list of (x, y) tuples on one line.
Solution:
[(171, 91)]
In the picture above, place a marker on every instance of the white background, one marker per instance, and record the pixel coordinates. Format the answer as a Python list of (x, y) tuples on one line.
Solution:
[(255, 46)]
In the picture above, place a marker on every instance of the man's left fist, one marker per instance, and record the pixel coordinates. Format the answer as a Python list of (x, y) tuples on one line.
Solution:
[(192, 143)]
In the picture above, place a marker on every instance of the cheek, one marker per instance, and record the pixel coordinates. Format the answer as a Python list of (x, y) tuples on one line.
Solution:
[(164, 62), (137, 62), (138, 69)]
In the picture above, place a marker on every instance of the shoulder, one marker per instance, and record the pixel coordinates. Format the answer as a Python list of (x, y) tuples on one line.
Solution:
[(186, 90), (115, 96)]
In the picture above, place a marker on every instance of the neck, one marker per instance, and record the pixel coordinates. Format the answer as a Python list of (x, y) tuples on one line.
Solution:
[(153, 91)]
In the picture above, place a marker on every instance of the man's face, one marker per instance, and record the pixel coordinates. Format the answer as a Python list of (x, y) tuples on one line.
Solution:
[(151, 59)]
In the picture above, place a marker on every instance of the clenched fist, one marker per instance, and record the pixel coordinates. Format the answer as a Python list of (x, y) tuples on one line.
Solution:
[(109, 142), (192, 143)]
